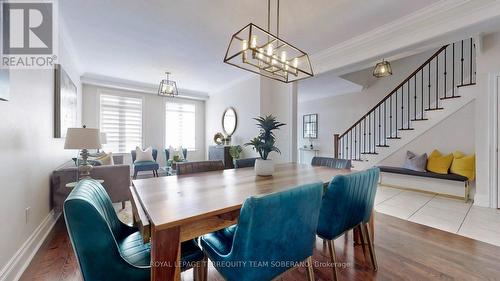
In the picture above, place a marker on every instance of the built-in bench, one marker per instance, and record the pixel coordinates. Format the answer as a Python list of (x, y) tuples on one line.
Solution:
[(425, 181)]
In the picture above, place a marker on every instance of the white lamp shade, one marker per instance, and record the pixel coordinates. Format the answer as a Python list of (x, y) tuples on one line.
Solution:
[(104, 138), (82, 138)]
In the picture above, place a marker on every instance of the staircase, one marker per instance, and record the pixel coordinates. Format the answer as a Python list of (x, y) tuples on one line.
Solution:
[(427, 96)]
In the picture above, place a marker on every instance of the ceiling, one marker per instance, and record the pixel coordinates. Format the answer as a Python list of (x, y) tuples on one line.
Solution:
[(139, 40), (326, 84)]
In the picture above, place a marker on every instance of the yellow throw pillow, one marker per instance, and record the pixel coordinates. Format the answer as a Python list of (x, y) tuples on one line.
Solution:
[(464, 165), (439, 164), (106, 159)]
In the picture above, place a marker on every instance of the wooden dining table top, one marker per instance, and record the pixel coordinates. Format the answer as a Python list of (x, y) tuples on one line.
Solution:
[(176, 200)]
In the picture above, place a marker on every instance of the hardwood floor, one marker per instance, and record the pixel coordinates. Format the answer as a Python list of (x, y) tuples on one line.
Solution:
[(405, 251)]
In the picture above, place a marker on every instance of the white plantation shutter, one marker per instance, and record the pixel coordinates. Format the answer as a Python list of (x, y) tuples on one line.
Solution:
[(180, 125), (121, 120)]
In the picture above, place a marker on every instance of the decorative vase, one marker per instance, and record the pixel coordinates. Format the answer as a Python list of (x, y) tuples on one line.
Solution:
[(264, 167)]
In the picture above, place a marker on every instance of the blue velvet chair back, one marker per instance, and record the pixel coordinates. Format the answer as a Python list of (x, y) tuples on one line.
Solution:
[(331, 162), (94, 230), (244, 163), (347, 202), (275, 228), (155, 154)]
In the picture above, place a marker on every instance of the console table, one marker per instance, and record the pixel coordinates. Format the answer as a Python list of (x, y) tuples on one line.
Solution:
[(221, 152), (306, 154)]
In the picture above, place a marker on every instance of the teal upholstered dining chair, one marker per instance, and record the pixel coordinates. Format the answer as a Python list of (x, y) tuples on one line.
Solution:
[(348, 203), (106, 248), (143, 166), (245, 162), (335, 163), (274, 233)]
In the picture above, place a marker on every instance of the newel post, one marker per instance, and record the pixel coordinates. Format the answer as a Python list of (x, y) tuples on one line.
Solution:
[(336, 141)]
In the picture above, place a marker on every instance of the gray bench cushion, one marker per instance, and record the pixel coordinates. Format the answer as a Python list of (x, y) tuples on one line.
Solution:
[(403, 171)]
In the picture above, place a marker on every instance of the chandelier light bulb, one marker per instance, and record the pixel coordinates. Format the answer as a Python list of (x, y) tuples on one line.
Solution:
[(270, 49), (283, 56), (244, 45), (253, 42), (295, 62), (261, 53)]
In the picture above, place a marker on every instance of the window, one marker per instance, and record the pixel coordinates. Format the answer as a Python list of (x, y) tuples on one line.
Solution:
[(180, 125), (121, 120)]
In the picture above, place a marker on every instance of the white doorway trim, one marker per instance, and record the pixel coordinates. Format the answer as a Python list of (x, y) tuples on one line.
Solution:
[(494, 128)]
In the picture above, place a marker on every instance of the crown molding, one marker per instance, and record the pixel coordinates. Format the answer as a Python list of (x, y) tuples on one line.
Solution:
[(428, 27), (134, 86)]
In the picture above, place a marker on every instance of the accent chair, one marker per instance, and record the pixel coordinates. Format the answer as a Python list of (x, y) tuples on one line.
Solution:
[(167, 154), (106, 248), (347, 204), (144, 166), (273, 233)]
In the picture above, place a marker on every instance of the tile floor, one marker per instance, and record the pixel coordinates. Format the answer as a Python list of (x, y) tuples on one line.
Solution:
[(443, 213)]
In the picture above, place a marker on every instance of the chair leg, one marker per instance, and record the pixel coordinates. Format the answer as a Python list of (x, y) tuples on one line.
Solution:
[(371, 248), (200, 272), (362, 237), (310, 269), (123, 205), (135, 175), (331, 249)]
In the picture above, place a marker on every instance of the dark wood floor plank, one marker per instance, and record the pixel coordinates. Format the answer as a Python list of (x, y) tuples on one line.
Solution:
[(405, 251)]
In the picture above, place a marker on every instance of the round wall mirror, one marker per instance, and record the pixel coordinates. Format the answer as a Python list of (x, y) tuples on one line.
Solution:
[(229, 121)]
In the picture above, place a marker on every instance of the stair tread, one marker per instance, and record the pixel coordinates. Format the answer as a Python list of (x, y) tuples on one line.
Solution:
[(406, 129), (378, 145), (393, 138), (465, 85), (419, 119), (437, 108), (449, 98)]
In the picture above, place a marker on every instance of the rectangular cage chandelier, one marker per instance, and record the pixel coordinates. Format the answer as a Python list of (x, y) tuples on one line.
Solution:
[(254, 49)]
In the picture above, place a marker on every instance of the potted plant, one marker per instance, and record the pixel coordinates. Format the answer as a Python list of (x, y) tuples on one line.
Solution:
[(264, 144), (235, 152)]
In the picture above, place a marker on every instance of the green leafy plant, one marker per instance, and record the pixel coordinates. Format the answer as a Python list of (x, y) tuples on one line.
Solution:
[(235, 151), (264, 142)]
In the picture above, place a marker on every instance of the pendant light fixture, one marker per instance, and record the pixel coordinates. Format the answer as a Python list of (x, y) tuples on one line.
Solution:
[(382, 69), (168, 88), (257, 50)]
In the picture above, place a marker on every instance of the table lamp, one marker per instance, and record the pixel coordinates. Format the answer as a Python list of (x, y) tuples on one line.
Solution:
[(83, 139)]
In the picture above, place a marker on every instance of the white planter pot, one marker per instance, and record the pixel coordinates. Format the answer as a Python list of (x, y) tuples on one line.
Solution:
[(264, 167)]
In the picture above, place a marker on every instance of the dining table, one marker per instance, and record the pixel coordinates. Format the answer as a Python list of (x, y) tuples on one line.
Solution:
[(173, 209)]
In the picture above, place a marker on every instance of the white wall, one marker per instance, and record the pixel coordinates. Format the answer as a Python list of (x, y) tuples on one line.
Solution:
[(338, 113), (280, 100), (153, 119), (488, 62), (456, 132), (29, 155), (252, 97), (244, 96)]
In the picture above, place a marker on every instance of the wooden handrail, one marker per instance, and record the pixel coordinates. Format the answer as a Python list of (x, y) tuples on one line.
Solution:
[(395, 89)]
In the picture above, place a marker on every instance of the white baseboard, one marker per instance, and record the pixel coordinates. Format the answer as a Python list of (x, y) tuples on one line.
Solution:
[(432, 185), (22, 258)]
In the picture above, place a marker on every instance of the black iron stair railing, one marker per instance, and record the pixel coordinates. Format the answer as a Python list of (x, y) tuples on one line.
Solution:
[(450, 67)]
